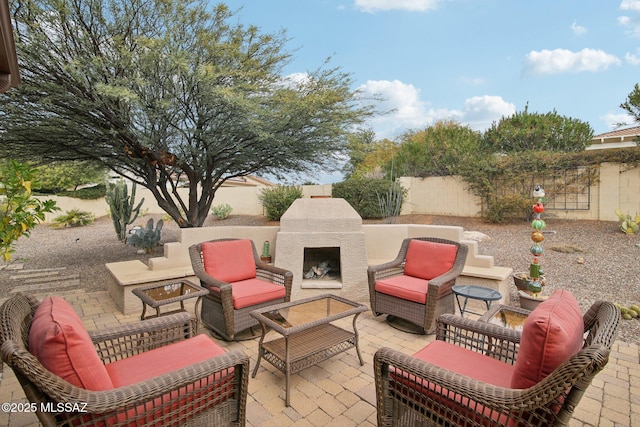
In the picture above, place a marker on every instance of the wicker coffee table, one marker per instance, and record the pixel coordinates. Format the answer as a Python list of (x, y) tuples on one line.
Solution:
[(308, 335)]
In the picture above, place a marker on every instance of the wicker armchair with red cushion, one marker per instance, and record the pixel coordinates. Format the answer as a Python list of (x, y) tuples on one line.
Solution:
[(153, 372), (480, 374), (238, 283), (416, 286)]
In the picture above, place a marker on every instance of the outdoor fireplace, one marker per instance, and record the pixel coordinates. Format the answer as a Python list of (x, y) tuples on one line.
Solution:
[(319, 233)]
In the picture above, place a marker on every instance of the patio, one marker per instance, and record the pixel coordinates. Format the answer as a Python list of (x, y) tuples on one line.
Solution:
[(339, 390)]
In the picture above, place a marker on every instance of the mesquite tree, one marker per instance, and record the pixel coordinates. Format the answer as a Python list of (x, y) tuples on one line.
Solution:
[(169, 93)]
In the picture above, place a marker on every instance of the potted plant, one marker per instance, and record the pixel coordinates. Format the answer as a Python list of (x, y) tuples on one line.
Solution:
[(266, 256)]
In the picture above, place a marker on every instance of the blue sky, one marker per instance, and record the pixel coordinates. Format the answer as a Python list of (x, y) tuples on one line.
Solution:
[(473, 61), (468, 60)]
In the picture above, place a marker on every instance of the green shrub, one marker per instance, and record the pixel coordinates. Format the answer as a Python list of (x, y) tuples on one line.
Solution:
[(513, 206), (89, 193), (221, 211), (276, 200), (73, 218), (364, 195), (19, 211)]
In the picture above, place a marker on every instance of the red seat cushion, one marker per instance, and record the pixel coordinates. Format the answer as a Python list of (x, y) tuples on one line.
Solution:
[(167, 359), (162, 360), (427, 260), (59, 340), (404, 287), (551, 335), (250, 292), (462, 361), (229, 260), (466, 362)]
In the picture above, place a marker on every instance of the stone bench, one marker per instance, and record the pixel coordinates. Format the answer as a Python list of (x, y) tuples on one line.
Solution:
[(125, 276)]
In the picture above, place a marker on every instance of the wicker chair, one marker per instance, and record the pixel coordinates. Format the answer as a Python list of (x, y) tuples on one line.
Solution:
[(210, 392), (446, 262), (414, 392), (234, 272)]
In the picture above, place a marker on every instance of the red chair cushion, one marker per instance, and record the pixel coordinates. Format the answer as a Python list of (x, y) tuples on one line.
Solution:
[(59, 340), (229, 260), (551, 335), (246, 293), (466, 362), (162, 360), (404, 287), (427, 260), (462, 361), (167, 359)]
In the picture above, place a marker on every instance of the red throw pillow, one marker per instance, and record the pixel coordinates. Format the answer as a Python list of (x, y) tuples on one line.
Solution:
[(551, 335), (229, 260), (61, 343), (427, 260)]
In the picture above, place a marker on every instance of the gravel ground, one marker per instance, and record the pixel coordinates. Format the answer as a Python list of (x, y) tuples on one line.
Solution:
[(593, 259)]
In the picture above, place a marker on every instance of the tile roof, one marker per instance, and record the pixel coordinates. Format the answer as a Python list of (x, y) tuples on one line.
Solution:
[(621, 133)]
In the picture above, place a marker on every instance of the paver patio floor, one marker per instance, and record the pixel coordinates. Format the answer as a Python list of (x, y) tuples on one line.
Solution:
[(340, 392)]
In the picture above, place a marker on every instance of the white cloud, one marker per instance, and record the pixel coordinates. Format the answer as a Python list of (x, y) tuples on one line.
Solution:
[(406, 110), (474, 81), (631, 58), (411, 5), (481, 111), (631, 23), (564, 61), (578, 30), (614, 120), (630, 5)]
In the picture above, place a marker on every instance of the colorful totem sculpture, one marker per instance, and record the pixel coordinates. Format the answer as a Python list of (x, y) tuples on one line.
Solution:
[(536, 273)]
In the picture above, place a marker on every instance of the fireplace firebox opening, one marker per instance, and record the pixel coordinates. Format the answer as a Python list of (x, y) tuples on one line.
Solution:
[(321, 264)]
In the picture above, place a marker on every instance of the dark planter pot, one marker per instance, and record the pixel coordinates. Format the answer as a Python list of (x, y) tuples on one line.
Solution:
[(529, 302), (520, 280)]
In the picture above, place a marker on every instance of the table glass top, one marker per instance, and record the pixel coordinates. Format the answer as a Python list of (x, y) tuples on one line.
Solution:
[(171, 290), (508, 319), (310, 311), (477, 292)]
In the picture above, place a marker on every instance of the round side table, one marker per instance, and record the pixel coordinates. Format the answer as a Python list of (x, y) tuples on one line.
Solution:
[(474, 292)]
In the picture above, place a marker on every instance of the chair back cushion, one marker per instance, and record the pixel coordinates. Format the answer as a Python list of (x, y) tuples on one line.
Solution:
[(551, 335), (59, 340), (427, 260), (229, 260)]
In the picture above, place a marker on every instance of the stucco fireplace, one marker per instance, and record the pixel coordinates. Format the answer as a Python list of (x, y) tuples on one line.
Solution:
[(323, 234)]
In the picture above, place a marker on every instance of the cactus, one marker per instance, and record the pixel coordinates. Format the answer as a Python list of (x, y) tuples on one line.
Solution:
[(148, 237), (628, 224), (121, 206)]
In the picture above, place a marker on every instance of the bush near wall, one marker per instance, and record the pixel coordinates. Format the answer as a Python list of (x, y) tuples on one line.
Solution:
[(362, 195)]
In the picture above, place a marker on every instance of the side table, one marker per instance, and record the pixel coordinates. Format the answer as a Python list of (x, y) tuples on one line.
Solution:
[(474, 292), (156, 296), (506, 316)]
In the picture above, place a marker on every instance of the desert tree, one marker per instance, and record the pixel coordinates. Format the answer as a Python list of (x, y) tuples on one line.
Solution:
[(170, 93)]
